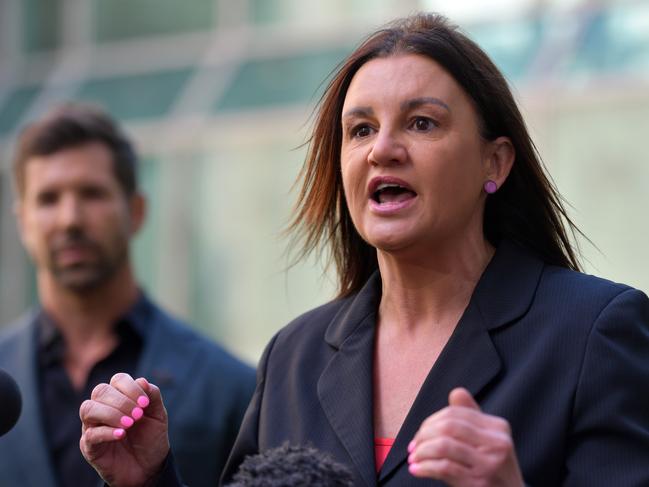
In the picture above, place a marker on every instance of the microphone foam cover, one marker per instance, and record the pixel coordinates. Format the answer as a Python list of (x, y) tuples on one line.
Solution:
[(10, 402)]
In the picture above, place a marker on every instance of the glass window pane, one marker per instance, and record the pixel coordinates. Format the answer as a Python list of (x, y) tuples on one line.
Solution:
[(140, 96), (614, 39), (41, 24), (266, 11), (511, 45), (14, 106), (145, 254), (119, 19), (280, 81)]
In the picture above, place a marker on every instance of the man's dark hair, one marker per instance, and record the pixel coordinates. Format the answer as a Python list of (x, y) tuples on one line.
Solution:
[(292, 466), (73, 125)]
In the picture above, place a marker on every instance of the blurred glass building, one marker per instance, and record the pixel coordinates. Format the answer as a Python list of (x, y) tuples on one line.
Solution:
[(218, 96)]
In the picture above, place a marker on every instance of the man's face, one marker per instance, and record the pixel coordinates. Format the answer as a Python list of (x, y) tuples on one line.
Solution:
[(74, 217)]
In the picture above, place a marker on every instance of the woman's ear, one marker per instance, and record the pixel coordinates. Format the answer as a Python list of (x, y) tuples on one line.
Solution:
[(499, 159)]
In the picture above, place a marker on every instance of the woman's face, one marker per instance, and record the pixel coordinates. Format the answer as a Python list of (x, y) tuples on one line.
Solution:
[(412, 159)]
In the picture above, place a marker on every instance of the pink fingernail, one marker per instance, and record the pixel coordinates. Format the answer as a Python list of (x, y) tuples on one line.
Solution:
[(411, 458), (137, 413), (143, 401), (413, 468), (119, 433), (411, 446), (126, 421)]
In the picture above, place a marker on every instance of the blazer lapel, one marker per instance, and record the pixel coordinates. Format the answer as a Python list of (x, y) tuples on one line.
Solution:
[(345, 386), (25, 448), (166, 358), (470, 359)]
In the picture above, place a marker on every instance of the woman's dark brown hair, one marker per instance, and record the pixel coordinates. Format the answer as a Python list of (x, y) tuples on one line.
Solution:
[(527, 209)]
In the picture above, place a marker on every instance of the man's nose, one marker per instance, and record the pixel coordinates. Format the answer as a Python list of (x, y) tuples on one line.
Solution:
[(70, 212)]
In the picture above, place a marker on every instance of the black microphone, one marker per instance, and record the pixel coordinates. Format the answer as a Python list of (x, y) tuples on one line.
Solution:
[(292, 466), (10, 402)]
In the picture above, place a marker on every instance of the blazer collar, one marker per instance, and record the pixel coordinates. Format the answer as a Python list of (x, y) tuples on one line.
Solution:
[(504, 292), (508, 285), (354, 311)]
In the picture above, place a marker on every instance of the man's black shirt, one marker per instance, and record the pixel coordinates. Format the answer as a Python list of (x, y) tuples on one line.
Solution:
[(60, 401)]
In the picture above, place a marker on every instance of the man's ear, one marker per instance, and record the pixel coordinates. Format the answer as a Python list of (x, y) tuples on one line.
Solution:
[(499, 159), (137, 211), (19, 215)]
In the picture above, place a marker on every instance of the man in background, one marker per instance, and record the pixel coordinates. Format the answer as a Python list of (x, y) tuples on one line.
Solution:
[(77, 207)]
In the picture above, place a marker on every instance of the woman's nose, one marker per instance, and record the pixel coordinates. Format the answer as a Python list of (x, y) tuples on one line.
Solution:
[(387, 149)]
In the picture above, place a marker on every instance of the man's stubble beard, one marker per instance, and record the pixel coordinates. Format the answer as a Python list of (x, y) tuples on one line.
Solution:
[(91, 275)]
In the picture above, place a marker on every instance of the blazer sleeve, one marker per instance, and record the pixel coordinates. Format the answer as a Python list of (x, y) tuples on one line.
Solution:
[(247, 440), (610, 430)]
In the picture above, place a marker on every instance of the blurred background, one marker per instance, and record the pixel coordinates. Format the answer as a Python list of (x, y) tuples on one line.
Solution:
[(218, 94)]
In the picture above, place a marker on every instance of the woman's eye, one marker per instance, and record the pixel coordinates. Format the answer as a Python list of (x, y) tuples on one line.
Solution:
[(423, 124), (361, 131)]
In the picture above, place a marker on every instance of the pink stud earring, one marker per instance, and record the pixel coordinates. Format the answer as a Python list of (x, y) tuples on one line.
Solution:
[(490, 186)]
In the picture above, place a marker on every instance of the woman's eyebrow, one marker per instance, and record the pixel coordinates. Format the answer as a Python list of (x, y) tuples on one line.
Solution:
[(424, 100), (358, 112)]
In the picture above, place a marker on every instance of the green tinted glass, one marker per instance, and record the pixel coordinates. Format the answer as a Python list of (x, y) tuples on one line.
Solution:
[(280, 81), (140, 96), (14, 106), (119, 19), (41, 24), (265, 11)]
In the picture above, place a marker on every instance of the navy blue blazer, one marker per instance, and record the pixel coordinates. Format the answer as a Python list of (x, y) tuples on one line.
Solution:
[(194, 375), (563, 356)]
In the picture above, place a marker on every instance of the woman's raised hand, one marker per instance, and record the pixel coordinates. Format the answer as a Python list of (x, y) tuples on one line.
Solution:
[(124, 431), (463, 446)]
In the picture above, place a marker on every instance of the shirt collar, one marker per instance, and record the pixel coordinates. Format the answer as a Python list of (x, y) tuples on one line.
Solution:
[(136, 320)]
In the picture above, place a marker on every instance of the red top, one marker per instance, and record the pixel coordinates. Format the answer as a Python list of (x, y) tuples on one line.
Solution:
[(381, 449)]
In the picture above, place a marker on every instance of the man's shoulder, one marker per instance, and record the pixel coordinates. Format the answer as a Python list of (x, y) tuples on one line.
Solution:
[(18, 328), (17, 343), (180, 335)]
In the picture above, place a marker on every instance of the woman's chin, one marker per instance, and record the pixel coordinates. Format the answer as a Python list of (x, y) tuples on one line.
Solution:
[(391, 242)]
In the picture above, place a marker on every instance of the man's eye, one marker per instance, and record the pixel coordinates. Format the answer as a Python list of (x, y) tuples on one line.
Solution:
[(46, 199), (93, 193)]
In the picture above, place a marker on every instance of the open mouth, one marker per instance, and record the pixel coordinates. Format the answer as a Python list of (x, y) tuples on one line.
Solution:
[(387, 193)]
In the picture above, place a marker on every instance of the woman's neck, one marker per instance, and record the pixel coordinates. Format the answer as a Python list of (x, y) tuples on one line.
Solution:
[(434, 288)]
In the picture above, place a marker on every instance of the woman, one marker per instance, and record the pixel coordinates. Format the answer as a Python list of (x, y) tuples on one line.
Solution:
[(463, 346)]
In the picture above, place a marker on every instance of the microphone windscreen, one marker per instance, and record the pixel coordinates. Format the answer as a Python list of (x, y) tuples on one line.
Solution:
[(10, 402)]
